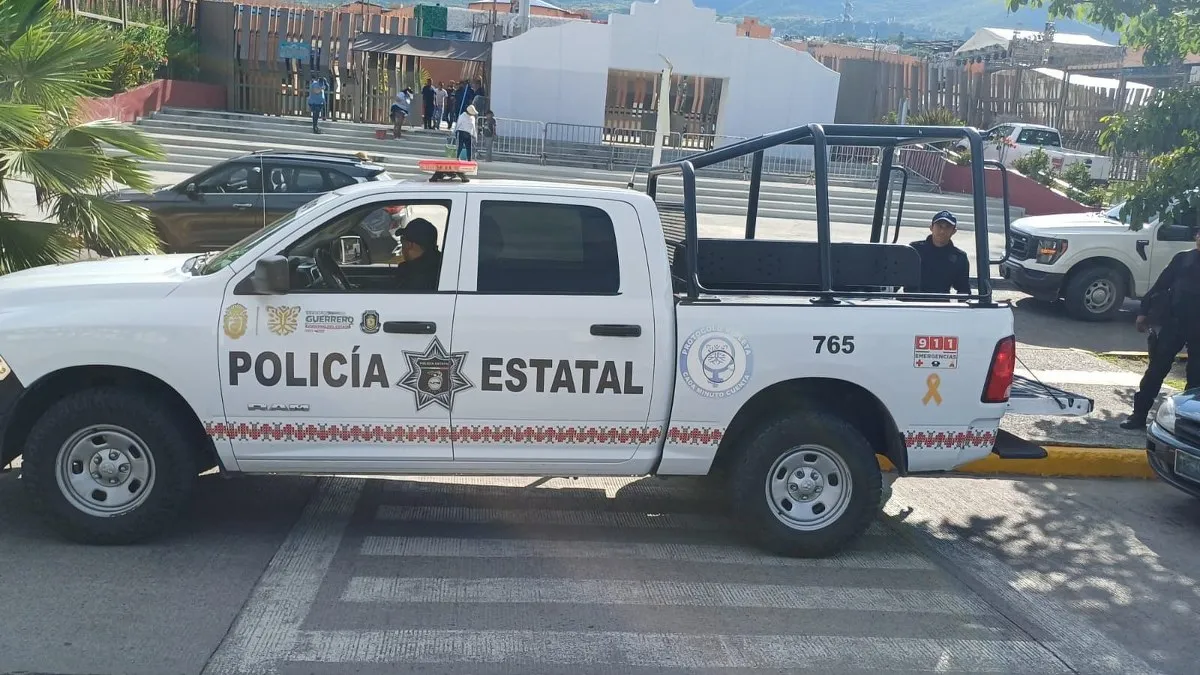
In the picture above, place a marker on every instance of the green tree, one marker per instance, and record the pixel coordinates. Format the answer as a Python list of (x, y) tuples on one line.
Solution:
[(1167, 129), (48, 62)]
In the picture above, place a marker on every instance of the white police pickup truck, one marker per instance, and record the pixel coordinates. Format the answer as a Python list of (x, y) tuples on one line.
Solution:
[(1093, 261), (561, 340)]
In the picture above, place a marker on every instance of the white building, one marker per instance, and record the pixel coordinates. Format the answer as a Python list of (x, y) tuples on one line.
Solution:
[(562, 73)]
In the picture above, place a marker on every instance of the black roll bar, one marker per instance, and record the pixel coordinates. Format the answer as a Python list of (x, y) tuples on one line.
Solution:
[(899, 206), (995, 164), (820, 136), (881, 192)]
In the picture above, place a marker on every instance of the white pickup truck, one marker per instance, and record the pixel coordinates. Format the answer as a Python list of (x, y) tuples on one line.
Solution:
[(1093, 261), (561, 339), (1009, 142)]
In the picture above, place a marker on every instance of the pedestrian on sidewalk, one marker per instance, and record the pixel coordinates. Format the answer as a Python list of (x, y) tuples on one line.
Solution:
[(465, 131), (316, 99), (1174, 302), (400, 108), (428, 94), (943, 265), (439, 105)]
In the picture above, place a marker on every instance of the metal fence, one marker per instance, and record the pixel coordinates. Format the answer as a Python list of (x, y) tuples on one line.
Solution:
[(623, 148)]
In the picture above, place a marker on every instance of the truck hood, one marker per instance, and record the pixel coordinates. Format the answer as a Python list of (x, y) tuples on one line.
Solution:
[(142, 276), (1064, 225)]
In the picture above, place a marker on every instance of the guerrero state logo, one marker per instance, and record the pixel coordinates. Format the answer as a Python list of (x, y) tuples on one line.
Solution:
[(715, 363)]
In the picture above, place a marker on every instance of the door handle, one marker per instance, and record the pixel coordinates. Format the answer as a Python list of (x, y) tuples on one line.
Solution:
[(243, 206), (410, 327), (616, 330)]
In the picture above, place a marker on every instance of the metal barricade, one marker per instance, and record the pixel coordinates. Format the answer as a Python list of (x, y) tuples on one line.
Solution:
[(515, 138), (926, 162)]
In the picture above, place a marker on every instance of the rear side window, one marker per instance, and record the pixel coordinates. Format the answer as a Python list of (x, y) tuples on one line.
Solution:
[(337, 179), (546, 249), (1039, 137)]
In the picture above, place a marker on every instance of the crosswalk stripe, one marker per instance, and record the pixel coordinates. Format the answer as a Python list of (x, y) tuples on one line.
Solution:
[(587, 518), (528, 548), (657, 593), (810, 652)]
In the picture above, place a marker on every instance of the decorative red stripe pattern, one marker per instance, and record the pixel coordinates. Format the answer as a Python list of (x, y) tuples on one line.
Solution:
[(695, 435), (413, 434), (945, 440)]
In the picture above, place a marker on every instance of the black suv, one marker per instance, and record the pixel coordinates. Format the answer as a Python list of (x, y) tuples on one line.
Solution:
[(221, 205)]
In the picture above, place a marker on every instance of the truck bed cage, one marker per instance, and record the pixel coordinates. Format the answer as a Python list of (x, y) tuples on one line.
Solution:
[(869, 270)]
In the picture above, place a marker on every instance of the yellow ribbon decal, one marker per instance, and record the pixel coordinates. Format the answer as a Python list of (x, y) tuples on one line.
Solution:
[(931, 394)]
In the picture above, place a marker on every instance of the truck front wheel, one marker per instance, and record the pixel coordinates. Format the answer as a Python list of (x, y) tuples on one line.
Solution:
[(109, 466), (806, 484), (1095, 294)]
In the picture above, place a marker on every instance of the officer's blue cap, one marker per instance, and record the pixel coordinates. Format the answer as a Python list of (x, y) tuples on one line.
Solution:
[(946, 216)]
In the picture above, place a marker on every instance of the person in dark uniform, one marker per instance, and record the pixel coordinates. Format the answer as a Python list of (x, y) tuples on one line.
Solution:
[(943, 265), (1173, 301), (422, 261)]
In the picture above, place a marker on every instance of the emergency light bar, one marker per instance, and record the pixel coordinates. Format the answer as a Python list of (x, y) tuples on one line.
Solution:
[(448, 169)]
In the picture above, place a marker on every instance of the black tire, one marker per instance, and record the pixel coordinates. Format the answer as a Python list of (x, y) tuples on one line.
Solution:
[(174, 465), (1079, 294), (780, 437)]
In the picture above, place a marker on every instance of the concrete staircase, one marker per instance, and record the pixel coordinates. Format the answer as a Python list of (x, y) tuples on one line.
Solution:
[(197, 139)]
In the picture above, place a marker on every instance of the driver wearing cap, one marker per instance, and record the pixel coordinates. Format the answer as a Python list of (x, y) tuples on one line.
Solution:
[(943, 265), (422, 261)]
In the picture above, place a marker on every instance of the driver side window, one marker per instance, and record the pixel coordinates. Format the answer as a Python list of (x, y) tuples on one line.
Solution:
[(1179, 224), (362, 249), (235, 179)]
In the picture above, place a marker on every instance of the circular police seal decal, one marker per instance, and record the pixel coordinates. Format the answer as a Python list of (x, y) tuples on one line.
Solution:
[(716, 363)]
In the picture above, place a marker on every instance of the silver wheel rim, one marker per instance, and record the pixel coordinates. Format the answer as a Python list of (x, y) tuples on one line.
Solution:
[(809, 487), (104, 470), (1100, 296)]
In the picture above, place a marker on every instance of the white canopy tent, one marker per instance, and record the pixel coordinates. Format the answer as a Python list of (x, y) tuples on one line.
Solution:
[(1029, 47)]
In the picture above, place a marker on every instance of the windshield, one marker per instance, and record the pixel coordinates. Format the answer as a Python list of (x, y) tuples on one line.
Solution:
[(225, 258)]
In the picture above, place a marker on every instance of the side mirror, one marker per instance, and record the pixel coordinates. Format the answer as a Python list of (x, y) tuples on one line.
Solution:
[(272, 276), (349, 250), (192, 191)]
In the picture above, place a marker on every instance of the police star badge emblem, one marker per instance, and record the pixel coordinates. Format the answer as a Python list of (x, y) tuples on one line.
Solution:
[(370, 322), (435, 376)]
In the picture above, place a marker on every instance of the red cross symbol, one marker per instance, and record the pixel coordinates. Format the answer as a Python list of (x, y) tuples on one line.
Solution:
[(920, 363)]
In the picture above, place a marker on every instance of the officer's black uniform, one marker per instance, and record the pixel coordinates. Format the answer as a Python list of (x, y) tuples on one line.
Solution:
[(422, 273), (1175, 297), (942, 268)]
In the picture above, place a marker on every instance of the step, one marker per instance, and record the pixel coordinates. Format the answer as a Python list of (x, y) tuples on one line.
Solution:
[(577, 154)]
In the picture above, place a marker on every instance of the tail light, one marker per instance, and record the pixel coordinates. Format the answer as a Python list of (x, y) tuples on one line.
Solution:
[(1000, 374)]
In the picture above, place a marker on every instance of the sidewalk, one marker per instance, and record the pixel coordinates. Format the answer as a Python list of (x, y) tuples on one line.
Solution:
[(1111, 386)]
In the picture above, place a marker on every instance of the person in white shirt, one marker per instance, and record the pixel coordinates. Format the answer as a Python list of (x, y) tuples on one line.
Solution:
[(439, 104), (400, 108), (465, 131)]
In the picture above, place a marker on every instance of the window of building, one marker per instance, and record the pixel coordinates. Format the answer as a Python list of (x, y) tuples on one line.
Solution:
[(548, 249)]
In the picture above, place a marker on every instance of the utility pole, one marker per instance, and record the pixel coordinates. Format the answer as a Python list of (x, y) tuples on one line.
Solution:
[(664, 112)]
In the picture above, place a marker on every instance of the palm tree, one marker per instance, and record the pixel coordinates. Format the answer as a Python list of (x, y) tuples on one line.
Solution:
[(48, 62)]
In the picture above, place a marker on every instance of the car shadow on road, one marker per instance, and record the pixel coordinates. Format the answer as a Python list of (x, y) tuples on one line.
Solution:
[(1121, 553)]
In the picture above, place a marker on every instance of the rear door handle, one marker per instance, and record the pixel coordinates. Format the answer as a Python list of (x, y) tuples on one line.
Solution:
[(243, 206), (616, 330), (410, 327)]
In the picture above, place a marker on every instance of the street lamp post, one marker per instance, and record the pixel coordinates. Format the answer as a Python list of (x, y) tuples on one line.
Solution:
[(664, 112)]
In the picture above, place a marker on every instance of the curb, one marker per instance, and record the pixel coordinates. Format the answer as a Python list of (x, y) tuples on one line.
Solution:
[(1181, 356), (1062, 462)]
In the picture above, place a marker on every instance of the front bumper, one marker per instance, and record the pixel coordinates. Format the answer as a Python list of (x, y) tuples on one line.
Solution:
[(1161, 448), (1041, 285)]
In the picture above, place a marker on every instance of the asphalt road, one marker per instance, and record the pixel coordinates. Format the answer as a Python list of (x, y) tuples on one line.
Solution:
[(529, 576)]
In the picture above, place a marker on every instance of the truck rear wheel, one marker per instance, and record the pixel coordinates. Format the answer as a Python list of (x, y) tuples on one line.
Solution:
[(109, 466), (1095, 294), (806, 485)]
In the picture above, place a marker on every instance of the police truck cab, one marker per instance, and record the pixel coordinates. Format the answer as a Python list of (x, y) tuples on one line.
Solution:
[(574, 331)]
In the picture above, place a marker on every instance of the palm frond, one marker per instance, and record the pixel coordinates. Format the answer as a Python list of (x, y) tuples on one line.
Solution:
[(19, 124), (127, 170), (101, 225), (57, 169), (18, 16), (29, 243), (52, 67), (95, 135)]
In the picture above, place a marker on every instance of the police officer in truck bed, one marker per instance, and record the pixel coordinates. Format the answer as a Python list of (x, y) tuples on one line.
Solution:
[(943, 265)]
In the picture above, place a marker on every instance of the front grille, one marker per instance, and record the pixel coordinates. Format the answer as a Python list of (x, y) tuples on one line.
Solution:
[(1188, 430), (1018, 246)]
